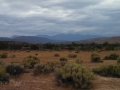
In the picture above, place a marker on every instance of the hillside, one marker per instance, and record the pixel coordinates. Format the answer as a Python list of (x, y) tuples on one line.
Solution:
[(111, 40)]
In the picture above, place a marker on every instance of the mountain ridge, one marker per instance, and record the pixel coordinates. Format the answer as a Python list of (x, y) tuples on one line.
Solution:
[(43, 40)]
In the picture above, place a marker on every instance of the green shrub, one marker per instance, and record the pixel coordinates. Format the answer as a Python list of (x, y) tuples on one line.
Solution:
[(30, 61), (56, 55), (14, 69), (79, 61), (112, 56), (106, 58), (3, 55), (72, 55), (76, 75), (3, 75), (118, 60), (63, 59), (43, 68), (95, 58), (108, 70)]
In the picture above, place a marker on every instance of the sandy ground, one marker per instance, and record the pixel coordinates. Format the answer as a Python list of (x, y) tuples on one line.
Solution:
[(48, 82)]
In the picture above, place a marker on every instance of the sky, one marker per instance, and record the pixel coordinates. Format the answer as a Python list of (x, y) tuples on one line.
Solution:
[(50, 17)]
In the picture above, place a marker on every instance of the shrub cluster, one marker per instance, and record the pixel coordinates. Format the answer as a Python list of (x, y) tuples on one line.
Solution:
[(3, 55), (108, 70), (14, 69), (72, 55), (112, 56), (96, 58), (4, 77), (43, 68), (30, 61), (76, 75)]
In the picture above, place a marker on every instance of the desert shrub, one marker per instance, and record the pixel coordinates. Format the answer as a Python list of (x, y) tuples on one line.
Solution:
[(43, 68), (14, 69), (30, 61), (3, 55), (106, 58), (13, 56), (118, 60), (95, 58), (79, 61), (63, 59), (56, 55), (4, 77), (76, 75), (72, 55), (112, 56), (108, 70)]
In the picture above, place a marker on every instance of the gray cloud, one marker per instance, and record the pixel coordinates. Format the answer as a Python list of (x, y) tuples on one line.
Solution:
[(32, 17)]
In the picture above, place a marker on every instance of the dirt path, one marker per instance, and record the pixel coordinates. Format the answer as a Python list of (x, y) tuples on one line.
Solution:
[(106, 83)]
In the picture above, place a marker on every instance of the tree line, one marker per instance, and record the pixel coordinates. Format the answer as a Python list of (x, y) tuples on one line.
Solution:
[(9, 45)]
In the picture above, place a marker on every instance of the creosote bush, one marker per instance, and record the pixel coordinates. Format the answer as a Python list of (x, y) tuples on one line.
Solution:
[(112, 56), (76, 75), (95, 58), (79, 61), (3, 55), (72, 55), (30, 62), (43, 68), (108, 70), (14, 69)]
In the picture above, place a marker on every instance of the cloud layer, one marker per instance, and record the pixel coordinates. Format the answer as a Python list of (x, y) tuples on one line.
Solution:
[(32, 17)]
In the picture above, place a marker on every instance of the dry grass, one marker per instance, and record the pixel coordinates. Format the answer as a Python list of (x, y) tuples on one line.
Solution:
[(47, 82)]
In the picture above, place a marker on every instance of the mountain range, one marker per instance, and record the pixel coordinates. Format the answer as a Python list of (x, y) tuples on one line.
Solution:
[(62, 38), (69, 37)]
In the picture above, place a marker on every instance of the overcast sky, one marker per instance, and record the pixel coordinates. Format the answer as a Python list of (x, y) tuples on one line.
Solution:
[(49, 17)]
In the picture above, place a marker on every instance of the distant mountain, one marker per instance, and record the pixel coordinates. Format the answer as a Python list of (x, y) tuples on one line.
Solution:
[(33, 39), (111, 40), (14, 36), (70, 37), (29, 39), (5, 39), (36, 40)]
